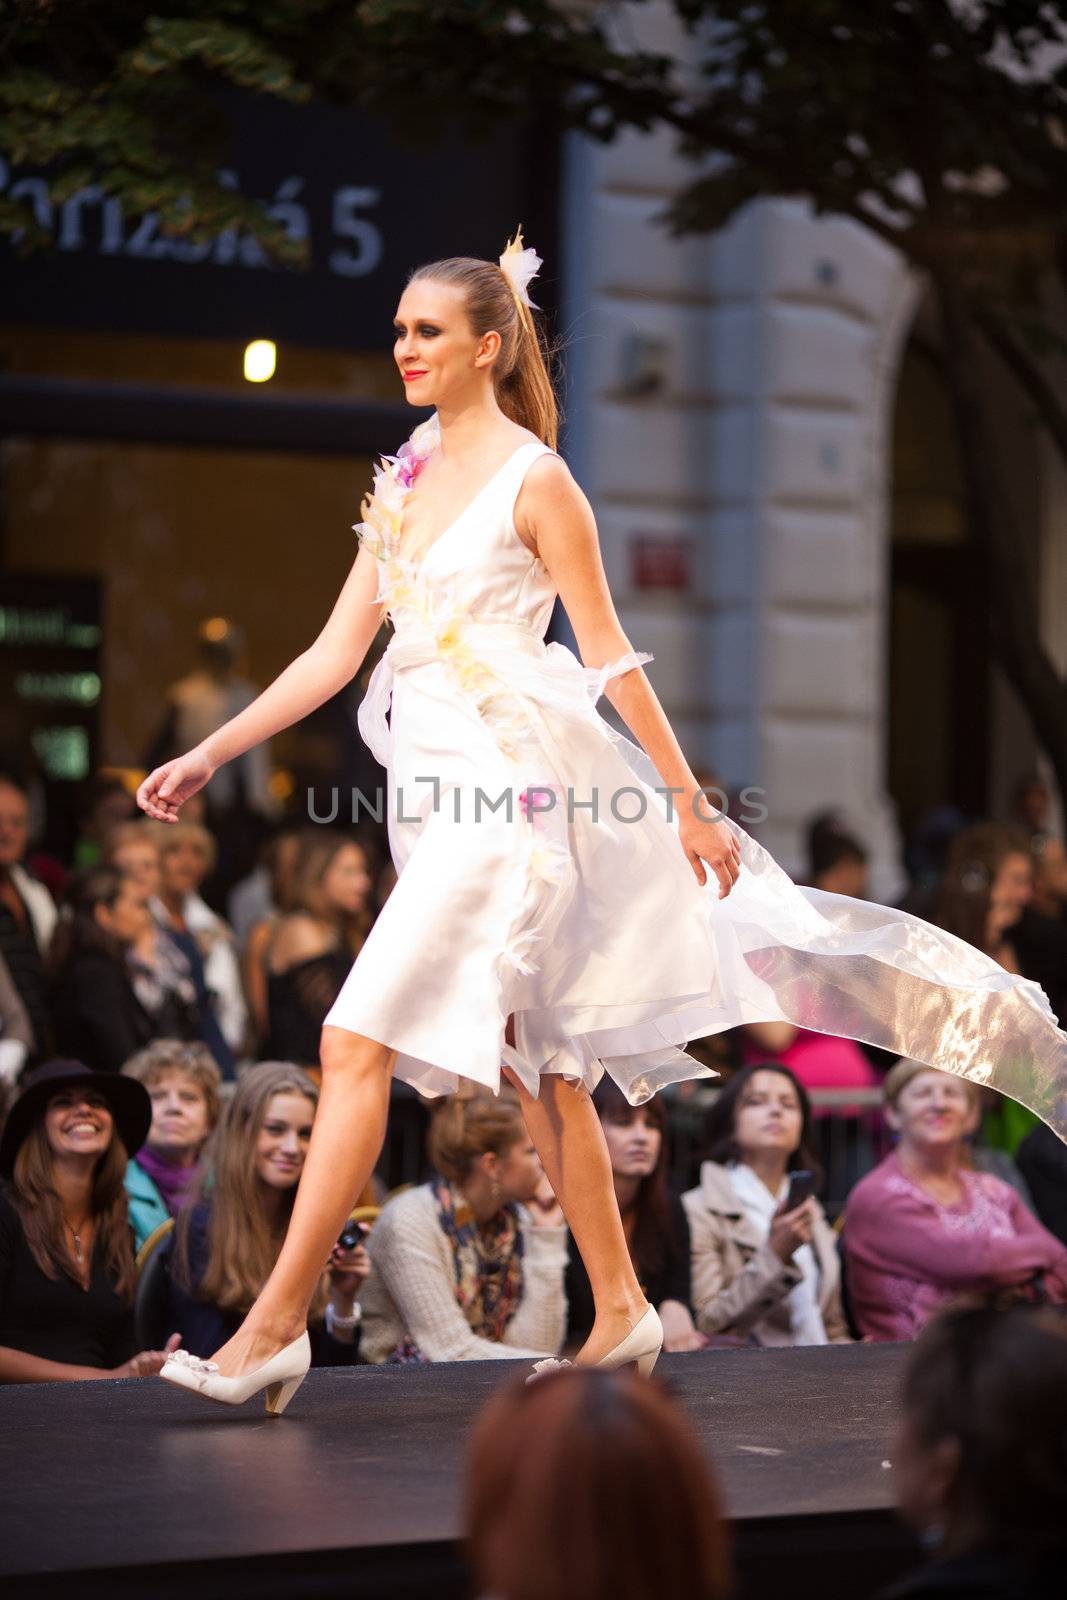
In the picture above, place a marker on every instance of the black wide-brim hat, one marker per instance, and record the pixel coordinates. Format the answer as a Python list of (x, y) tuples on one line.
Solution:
[(128, 1101)]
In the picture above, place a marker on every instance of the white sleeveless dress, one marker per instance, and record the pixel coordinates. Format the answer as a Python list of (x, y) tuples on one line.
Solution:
[(514, 896)]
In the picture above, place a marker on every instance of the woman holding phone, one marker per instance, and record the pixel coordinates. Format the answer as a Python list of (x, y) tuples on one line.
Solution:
[(764, 1262)]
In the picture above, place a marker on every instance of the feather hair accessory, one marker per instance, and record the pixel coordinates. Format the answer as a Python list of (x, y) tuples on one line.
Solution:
[(520, 266)]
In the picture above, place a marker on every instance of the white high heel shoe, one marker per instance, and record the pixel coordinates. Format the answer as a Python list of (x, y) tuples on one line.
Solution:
[(642, 1344), (281, 1377)]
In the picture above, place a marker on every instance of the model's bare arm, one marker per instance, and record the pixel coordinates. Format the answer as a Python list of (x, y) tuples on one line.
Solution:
[(317, 673), (554, 516)]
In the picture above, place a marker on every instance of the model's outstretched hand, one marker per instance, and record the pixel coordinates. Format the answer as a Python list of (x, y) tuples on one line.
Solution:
[(166, 789), (713, 842)]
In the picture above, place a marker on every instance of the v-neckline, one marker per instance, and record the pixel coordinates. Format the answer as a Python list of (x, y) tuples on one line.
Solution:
[(472, 502)]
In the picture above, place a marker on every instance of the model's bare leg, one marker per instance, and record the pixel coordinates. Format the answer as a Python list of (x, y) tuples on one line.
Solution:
[(346, 1139), (566, 1131)]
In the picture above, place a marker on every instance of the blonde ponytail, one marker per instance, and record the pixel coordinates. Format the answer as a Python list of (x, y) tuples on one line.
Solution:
[(522, 372)]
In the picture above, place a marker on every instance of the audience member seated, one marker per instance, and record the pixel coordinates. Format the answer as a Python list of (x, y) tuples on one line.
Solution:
[(281, 860), (761, 1273), (592, 1484), (837, 864), (924, 1227), (1032, 812), (228, 1235), (986, 889), (1042, 1160), (183, 1082), (980, 1455), (103, 803), (265, 891), (66, 1255), (653, 1218), (16, 1032), (462, 1270), (987, 883), (311, 950), (837, 861), (161, 974), (96, 1015), (27, 914), (187, 856)]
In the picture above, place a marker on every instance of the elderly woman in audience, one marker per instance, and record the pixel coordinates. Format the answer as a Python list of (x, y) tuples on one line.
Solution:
[(66, 1255), (96, 1014), (466, 1267), (653, 1218), (980, 1455), (183, 1083), (310, 951), (160, 971), (187, 856), (593, 1484), (229, 1233), (924, 1226), (764, 1270)]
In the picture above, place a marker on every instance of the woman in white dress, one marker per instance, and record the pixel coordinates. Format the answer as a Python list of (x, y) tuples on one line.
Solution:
[(554, 910)]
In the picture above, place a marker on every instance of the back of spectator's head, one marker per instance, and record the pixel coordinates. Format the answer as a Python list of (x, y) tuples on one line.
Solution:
[(193, 1061), (981, 1450), (720, 1125), (473, 1123), (592, 1483)]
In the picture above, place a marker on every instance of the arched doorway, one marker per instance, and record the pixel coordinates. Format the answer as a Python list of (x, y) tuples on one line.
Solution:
[(940, 689)]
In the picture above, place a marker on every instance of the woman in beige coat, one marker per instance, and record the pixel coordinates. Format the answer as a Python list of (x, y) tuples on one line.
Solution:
[(763, 1274)]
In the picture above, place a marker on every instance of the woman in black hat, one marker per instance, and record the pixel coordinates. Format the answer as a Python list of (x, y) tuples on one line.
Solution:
[(66, 1252)]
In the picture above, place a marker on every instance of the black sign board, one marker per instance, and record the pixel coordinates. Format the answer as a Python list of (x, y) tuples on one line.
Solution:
[(50, 671), (371, 208)]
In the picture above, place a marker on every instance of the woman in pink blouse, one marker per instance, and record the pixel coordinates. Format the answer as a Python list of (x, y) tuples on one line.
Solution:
[(924, 1227)]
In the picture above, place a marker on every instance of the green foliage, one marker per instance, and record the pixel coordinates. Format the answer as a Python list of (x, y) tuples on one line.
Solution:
[(124, 95)]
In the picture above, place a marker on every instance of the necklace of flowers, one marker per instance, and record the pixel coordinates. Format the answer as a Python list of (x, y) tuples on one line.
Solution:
[(382, 514)]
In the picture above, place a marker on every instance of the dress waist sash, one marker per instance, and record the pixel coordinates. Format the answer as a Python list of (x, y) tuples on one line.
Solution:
[(489, 659)]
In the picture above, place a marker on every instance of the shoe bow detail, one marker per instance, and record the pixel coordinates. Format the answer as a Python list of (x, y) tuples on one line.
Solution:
[(196, 1365), (549, 1364)]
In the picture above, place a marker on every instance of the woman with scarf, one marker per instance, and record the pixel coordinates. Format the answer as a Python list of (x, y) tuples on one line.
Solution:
[(468, 1267), (765, 1270), (182, 1081)]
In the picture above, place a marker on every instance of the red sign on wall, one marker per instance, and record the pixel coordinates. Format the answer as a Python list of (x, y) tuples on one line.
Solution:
[(660, 561)]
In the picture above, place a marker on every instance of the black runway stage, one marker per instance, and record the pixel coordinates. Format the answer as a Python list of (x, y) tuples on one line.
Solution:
[(132, 1488)]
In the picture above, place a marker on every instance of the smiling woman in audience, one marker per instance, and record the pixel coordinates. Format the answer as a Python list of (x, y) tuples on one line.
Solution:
[(228, 1237), (924, 1227), (66, 1255)]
